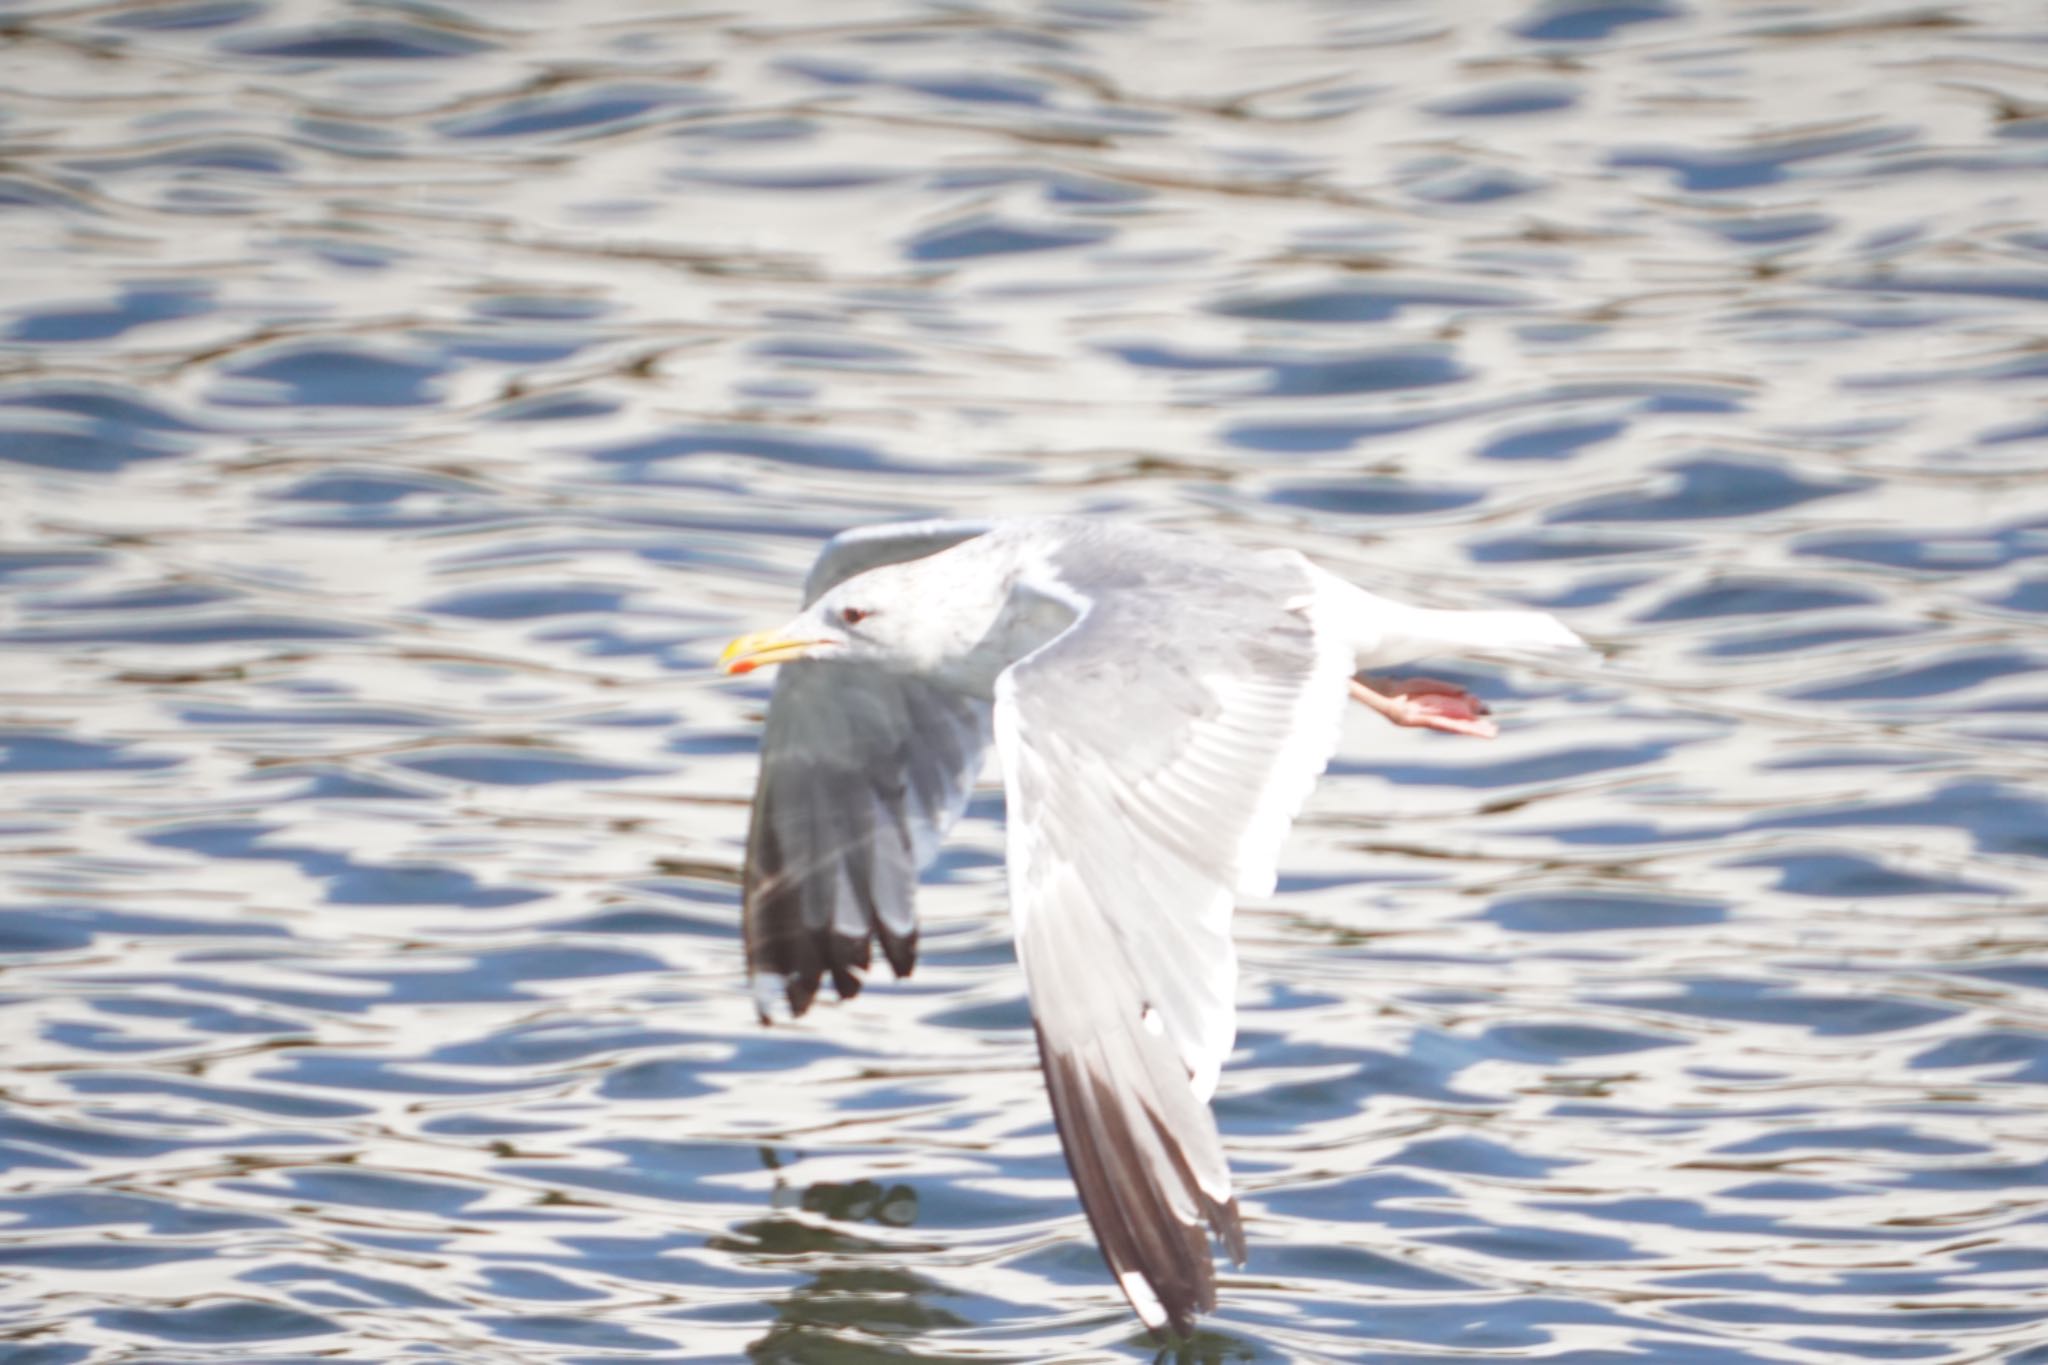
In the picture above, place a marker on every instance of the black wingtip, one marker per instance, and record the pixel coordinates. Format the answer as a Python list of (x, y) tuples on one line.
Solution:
[(799, 989), (791, 929), (1228, 1225), (900, 949), (1141, 1195)]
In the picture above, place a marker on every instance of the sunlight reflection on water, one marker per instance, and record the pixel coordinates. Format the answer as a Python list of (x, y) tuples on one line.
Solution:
[(401, 404)]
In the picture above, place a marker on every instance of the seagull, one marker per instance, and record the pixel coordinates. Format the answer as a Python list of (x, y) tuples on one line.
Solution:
[(1161, 704)]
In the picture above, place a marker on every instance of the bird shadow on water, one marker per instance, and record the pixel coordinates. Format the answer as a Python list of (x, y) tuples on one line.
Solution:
[(847, 1313), (865, 1307), (1205, 1347)]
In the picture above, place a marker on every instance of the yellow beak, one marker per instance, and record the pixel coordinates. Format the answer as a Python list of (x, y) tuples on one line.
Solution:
[(762, 649)]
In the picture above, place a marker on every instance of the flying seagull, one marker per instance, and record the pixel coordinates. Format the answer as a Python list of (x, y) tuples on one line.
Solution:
[(1162, 705)]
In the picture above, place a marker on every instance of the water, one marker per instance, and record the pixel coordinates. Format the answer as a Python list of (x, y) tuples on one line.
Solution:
[(400, 405)]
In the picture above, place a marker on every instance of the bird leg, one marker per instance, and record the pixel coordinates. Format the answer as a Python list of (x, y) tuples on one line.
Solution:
[(1425, 702)]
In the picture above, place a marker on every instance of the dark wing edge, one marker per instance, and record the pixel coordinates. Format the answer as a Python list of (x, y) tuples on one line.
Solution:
[(1133, 1158), (861, 775)]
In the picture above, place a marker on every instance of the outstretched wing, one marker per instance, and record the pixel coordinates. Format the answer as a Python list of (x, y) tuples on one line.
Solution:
[(862, 772), (1154, 756)]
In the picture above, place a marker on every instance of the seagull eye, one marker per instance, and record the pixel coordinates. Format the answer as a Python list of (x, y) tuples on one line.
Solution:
[(853, 616)]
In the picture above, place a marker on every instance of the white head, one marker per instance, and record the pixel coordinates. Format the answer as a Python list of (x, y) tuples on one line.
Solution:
[(922, 617)]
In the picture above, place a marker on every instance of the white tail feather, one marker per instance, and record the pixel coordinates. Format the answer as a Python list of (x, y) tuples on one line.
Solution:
[(1384, 632), (1499, 632)]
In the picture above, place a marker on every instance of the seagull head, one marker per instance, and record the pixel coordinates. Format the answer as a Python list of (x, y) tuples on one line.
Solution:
[(901, 617)]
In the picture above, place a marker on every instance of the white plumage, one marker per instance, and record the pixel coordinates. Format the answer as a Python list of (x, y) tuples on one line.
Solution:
[(1162, 706)]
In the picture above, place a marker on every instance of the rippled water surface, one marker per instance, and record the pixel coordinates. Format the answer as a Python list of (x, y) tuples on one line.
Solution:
[(401, 403)]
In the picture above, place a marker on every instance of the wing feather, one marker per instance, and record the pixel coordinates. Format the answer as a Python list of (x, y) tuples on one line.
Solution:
[(862, 772), (1154, 756)]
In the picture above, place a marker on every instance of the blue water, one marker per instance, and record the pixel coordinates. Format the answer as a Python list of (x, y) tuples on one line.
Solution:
[(401, 404)]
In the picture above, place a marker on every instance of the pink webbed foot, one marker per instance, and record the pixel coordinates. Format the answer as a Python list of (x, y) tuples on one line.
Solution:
[(1426, 703)]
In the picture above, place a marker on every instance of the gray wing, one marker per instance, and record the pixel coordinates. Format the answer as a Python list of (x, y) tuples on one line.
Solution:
[(1154, 757), (862, 773)]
